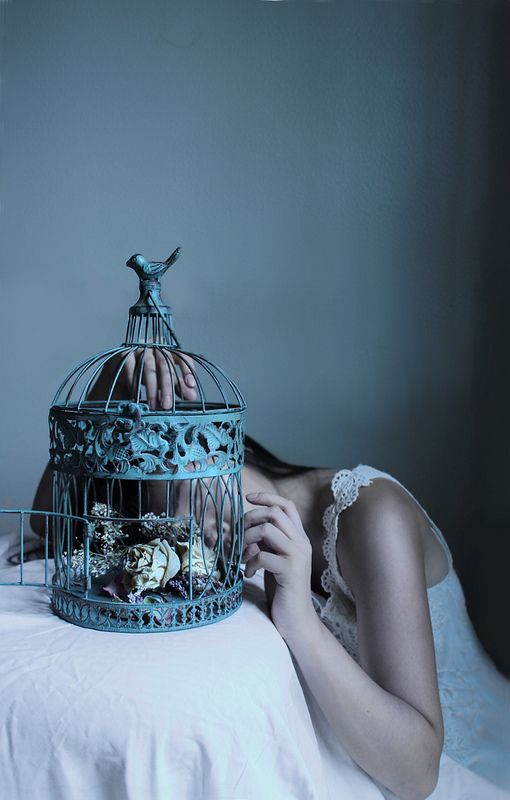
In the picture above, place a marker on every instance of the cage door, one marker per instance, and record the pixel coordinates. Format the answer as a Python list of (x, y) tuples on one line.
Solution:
[(22, 546)]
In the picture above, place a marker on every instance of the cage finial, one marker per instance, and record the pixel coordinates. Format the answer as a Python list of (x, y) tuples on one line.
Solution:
[(149, 305)]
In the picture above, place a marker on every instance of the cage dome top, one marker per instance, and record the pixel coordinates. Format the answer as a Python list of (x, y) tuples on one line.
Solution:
[(107, 417), (149, 335)]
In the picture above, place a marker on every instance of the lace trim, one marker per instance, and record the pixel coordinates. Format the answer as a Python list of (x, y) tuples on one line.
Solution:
[(345, 486), (339, 611)]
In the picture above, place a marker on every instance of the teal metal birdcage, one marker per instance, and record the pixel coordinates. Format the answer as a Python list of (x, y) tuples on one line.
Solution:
[(146, 526)]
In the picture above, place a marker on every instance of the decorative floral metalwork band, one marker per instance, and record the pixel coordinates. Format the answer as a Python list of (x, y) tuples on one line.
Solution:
[(110, 616), (135, 443)]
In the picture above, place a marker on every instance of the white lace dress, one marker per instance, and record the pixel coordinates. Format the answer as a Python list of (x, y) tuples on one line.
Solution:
[(475, 697)]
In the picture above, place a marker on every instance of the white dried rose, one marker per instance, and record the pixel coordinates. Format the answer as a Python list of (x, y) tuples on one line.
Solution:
[(150, 566), (202, 558)]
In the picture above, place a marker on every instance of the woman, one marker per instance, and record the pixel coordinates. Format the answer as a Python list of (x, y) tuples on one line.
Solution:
[(383, 640), (361, 586)]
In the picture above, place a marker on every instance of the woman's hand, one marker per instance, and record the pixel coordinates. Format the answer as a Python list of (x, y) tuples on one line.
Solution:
[(162, 375), (274, 539)]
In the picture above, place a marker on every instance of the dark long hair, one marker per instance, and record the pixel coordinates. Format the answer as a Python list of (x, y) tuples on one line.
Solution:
[(256, 455)]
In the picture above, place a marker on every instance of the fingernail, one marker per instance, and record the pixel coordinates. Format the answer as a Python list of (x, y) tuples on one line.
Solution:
[(190, 380), (167, 401)]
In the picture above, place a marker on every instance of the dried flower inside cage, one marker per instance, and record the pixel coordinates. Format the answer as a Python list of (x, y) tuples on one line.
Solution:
[(202, 557), (150, 566), (108, 532), (164, 528)]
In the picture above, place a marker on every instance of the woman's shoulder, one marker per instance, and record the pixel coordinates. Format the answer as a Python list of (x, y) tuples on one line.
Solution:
[(380, 515), (381, 505), (364, 487), (380, 493), (343, 487), (361, 488)]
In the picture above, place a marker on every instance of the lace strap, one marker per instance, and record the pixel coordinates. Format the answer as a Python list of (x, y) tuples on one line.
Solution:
[(345, 486)]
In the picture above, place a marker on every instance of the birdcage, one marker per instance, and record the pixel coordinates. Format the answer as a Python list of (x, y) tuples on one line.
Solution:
[(146, 452)]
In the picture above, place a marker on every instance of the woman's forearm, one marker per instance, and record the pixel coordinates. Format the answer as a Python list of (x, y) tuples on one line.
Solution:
[(384, 735)]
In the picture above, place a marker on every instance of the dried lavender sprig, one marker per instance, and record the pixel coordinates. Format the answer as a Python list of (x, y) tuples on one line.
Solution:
[(181, 584)]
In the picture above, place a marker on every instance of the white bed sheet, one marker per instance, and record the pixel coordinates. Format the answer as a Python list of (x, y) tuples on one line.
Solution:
[(216, 713)]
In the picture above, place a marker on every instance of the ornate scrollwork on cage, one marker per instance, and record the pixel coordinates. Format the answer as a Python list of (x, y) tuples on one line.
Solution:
[(134, 442)]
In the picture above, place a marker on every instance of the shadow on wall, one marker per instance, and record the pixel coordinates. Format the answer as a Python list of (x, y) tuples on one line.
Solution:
[(484, 557)]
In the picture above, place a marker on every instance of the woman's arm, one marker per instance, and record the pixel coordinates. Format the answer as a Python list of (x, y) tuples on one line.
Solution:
[(386, 712)]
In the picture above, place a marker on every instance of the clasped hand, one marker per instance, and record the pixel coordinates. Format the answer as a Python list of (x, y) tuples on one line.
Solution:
[(274, 539)]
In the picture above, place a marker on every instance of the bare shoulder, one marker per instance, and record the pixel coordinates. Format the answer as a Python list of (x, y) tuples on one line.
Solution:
[(383, 497), (381, 536)]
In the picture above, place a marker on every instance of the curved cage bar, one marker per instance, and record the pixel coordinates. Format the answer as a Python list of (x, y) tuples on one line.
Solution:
[(146, 452), (213, 386)]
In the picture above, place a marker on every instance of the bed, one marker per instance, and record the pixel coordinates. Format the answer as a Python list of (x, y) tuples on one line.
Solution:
[(216, 713)]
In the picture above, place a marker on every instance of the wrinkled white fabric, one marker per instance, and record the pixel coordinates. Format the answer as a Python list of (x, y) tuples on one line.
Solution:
[(215, 713), (475, 697)]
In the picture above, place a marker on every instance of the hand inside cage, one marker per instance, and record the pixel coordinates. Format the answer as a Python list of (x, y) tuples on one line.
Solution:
[(165, 375)]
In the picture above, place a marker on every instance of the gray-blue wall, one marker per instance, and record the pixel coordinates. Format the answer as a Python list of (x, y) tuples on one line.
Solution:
[(329, 171)]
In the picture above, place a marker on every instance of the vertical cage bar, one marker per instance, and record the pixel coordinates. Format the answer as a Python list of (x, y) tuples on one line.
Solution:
[(192, 492), (239, 517), (171, 368), (199, 387), (22, 543), (85, 495), (121, 497), (141, 365), (229, 491), (46, 536), (86, 558), (68, 534), (54, 522)]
